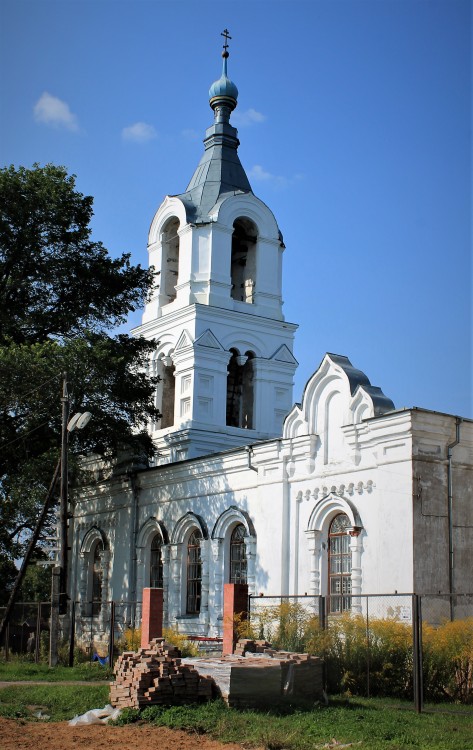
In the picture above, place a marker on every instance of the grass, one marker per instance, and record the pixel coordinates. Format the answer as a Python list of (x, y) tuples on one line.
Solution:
[(59, 702), (375, 723), (18, 670)]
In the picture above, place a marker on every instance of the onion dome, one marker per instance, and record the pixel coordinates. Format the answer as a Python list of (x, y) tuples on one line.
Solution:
[(224, 90)]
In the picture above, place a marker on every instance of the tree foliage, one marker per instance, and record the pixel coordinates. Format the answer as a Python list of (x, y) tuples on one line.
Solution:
[(61, 295)]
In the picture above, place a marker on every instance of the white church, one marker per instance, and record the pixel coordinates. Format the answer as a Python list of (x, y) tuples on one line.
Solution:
[(340, 495)]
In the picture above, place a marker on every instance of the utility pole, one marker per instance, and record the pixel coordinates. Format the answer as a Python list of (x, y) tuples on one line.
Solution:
[(63, 502)]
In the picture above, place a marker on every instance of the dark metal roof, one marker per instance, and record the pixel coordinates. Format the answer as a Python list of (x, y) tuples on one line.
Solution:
[(357, 379), (219, 173)]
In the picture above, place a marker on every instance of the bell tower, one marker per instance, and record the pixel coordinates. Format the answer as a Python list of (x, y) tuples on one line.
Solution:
[(224, 352)]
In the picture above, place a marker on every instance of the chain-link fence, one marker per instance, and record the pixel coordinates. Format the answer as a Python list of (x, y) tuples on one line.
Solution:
[(404, 646)]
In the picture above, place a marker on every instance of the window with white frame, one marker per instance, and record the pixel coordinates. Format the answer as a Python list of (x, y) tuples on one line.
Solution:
[(156, 562), (339, 564), (194, 573), (97, 579), (238, 562)]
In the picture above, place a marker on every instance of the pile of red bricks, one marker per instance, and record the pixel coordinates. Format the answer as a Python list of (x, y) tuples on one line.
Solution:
[(156, 675), (250, 646), (257, 675)]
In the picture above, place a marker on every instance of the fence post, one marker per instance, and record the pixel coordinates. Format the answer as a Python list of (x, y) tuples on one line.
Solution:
[(151, 616), (368, 652), (235, 602), (72, 634), (111, 640), (417, 649), (37, 644), (323, 626), (54, 618)]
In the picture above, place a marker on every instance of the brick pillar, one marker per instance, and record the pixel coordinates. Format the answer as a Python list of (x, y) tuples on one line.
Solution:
[(151, 616), (235, 602)]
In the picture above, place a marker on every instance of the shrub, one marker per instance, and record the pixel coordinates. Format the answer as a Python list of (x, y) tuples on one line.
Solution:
[(185, 646), (374, 655), (448, 661), (130, 640)]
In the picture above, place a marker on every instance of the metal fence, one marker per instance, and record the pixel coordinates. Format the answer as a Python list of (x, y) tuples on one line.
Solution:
[(393, 645), (386, 644)]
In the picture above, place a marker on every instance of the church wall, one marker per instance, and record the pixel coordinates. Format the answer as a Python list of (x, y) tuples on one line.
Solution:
[(434, 433)]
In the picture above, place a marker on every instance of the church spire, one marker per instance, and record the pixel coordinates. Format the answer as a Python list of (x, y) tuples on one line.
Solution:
[(219, 171)]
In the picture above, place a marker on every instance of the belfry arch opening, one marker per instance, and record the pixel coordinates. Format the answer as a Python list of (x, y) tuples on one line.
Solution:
[(243, 262), (168, 382), (170, 262), (240, 391)]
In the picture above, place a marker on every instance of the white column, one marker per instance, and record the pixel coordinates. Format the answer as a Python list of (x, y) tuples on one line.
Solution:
[(166, 557), (204, 600), (314, 538), (105, 564), (175, 590), (250, 547), (355, 549), (216, 601), (140, 581)]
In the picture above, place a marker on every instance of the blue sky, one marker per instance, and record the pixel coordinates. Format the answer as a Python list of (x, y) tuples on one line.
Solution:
[(354, 119)]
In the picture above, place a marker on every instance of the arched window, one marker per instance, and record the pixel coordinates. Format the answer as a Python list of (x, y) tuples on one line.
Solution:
[(170, 260), (194, 573), (97, 579), (156, 563), (339, 564), (238, 564), (243, 263), (240, 391)]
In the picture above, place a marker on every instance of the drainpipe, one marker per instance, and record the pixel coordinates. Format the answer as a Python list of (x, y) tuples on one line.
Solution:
[(458, 421)]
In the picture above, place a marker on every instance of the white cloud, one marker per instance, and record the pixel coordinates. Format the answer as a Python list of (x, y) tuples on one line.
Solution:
[(249, 117), (259, 174), (53, 111), (140, 132)]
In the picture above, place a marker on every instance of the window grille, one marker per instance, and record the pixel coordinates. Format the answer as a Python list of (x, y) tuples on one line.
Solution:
[(238, 565), (156, 563), (194, 573), (339, 564)]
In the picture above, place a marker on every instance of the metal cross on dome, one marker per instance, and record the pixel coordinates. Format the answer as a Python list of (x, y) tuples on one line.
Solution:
[(227, 36)]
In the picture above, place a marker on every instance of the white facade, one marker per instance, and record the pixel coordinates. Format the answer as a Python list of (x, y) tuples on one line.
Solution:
[(386, 473), (394, 487)]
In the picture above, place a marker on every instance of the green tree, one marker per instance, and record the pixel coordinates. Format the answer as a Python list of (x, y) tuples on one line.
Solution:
[(61, 296)]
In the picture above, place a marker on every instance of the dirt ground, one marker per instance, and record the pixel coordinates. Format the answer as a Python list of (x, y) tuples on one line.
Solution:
[(18, 735)]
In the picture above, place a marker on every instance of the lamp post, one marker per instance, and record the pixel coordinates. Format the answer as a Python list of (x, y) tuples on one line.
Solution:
[(59, 572), (78, 422)]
